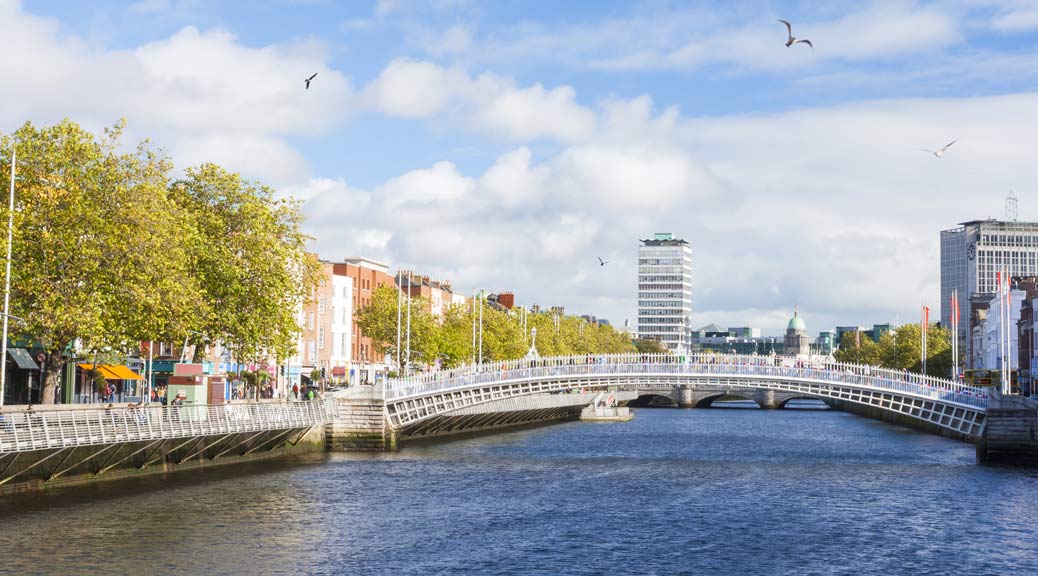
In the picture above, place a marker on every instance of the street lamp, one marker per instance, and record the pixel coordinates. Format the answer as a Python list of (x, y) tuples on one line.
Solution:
[(7, 278)]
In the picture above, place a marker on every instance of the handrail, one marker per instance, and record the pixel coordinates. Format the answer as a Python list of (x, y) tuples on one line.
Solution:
[(694, 365), (44, 429)]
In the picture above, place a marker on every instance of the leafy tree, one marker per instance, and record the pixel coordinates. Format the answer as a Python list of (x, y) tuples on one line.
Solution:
[(647, 346), (98, 250), (901, 351), (378, 320), (247, 250)]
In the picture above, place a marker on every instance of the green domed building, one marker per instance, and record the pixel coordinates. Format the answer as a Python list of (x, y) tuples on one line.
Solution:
[(796, 340)]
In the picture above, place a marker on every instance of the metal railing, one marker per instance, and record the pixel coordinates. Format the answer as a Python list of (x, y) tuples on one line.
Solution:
[(711, 365), (45, 429)]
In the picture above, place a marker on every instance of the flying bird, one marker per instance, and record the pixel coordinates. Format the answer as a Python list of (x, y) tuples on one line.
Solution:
[(308, 80), (793, 39), (940, 151), (602, 262)]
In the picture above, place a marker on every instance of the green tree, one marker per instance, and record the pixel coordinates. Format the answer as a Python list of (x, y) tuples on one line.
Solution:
[(98, 252), (647, 346), (378, 320), (901, 350), (248, 253)]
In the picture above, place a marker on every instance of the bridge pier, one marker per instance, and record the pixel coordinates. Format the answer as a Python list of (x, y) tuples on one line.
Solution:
[(766, 400), (360, 425), (1010, 434), (686, 400)]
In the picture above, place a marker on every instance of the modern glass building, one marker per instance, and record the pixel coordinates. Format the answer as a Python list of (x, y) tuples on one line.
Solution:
[(665, 291), (972, 254)]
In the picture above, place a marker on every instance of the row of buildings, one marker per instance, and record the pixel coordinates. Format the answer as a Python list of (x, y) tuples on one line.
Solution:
[(974, 255), (330, 339), (330, 343)]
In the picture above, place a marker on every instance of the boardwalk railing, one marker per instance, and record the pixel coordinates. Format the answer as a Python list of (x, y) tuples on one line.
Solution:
[(41, 430), (738, 366)]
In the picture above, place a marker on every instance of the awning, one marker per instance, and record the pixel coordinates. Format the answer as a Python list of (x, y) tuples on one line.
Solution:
[(112, 371), (22, 358)]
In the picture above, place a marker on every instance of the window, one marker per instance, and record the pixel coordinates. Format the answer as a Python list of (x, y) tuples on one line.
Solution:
[(310, 322), (320, 305), (320, 338)]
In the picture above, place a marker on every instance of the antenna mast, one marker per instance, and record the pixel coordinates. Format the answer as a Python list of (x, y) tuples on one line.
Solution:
[(1011, 208)]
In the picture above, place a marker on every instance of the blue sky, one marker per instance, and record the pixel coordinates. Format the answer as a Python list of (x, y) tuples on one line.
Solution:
[(504, 145)]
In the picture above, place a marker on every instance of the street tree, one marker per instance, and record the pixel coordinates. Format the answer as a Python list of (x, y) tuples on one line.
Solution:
[(98, 250), (378, 321), (248, 254)]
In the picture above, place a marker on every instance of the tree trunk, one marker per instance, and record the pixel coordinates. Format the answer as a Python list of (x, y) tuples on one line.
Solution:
[(51, 376)]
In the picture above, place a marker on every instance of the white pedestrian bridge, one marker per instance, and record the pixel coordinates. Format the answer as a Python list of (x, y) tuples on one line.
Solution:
[(943, 403)]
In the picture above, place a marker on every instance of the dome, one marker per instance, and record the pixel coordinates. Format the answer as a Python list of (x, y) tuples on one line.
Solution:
[(796, 322)]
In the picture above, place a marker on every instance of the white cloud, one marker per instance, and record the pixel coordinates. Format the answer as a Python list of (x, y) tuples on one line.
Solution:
[(384, 8), (198, 92), (1017, 17), (488, 103), (831, 209)]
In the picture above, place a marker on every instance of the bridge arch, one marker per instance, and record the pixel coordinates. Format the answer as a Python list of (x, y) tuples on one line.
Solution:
[(654, 400), (708, 401), (941, 404)]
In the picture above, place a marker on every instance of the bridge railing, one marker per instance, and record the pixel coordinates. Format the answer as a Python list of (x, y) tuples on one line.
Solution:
[(43, 429), (706, 365)]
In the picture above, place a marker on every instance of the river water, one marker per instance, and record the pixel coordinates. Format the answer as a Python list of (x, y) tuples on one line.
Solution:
[(672, 492)]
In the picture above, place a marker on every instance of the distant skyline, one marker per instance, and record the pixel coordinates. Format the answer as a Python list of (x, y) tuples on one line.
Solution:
[(506, 146)]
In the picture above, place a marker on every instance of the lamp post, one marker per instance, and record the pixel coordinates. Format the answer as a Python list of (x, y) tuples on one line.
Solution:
[(7, 278)]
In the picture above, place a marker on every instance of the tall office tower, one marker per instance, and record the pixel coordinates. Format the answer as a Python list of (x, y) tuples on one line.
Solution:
[(665, 291)]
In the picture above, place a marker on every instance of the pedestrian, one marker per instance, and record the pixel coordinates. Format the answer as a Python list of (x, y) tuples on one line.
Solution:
[(310, 394), (295, 391)]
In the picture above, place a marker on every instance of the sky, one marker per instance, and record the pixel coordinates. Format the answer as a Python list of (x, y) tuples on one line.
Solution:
[(506, 145)]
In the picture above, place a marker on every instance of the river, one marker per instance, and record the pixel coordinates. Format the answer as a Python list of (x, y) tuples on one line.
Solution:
[(672, 492)]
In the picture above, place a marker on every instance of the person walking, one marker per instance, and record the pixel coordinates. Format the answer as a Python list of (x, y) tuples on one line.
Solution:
[(295, 391)]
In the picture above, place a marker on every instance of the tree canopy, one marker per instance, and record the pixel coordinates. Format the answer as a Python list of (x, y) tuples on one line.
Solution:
[(108, 252), (449, 340), (901, 350)]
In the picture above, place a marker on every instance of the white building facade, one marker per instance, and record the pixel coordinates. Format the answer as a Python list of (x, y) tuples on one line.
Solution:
[(665, 291), (989, 357), (341, 326)]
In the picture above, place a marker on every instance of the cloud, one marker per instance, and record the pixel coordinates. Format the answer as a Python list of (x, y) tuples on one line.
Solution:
[(655, 36), (1019, 16), (198, 92), (831, 208), (384, 8), (488, 103)]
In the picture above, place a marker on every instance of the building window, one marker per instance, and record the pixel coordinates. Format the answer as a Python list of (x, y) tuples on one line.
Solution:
[(320, 337), (320, 305)]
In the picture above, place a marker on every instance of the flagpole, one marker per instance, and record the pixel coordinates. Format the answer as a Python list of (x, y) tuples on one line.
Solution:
[(7, 279), (407, 356), (399, 310)]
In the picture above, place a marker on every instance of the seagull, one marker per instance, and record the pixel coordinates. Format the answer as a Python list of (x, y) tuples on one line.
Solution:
[(940, 151), (602, 262), (308, 80), (792, 39)]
